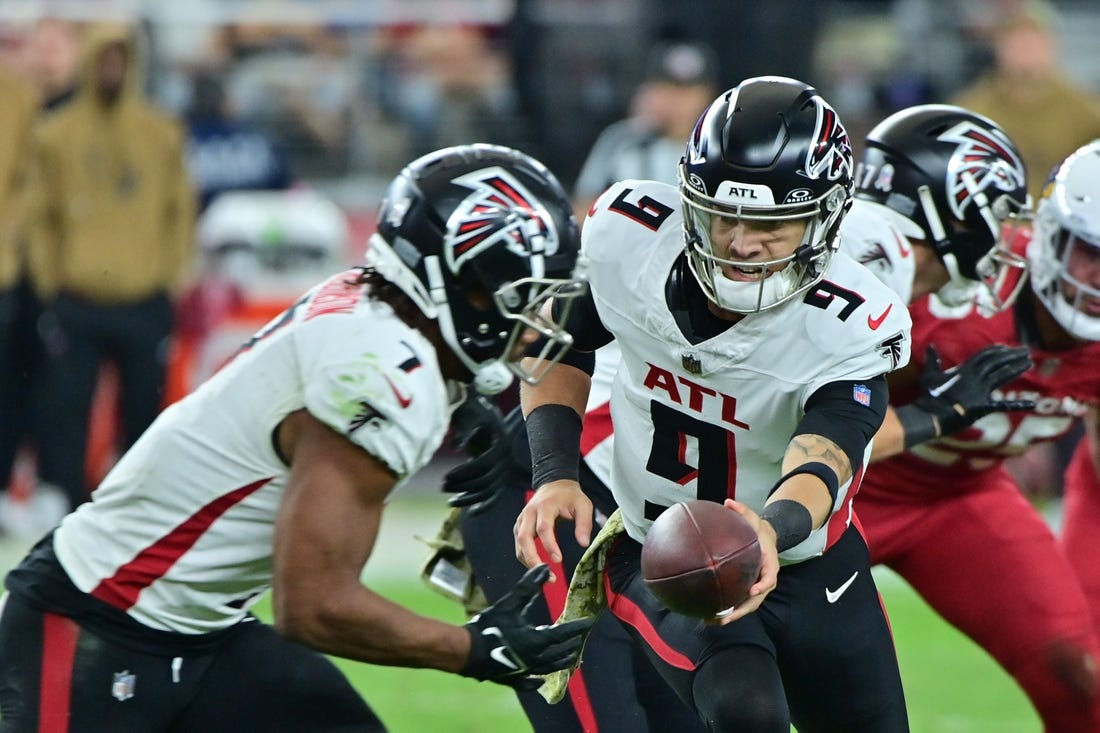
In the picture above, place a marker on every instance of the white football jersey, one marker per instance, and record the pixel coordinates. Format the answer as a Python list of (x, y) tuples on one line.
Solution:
[(179, 534), (713, 420), (870, 238)]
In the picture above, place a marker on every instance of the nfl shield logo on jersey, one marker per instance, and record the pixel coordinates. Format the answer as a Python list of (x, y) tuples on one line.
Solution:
[(692, 363), (122, 688), (861, 394)]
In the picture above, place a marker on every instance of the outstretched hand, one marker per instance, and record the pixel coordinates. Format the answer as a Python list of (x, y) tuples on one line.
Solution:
[(961, 395), (508, 650)]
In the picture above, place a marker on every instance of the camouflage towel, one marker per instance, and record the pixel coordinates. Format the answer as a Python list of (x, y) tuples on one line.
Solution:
[(447, 570), (586, 598)]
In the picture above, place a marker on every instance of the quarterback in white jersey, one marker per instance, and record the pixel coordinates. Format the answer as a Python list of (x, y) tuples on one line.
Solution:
[(752, 373), (674, 401), (273, 475)]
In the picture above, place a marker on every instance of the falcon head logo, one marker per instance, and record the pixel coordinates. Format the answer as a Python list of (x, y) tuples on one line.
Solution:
[(366, 415), (830, 154), (499, 211), (890, 349), (983, 160)]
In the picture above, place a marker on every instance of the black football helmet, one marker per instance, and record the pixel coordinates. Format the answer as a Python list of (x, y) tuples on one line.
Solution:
[(482, 219), (954, 178), (1066, 243), (768, 149)]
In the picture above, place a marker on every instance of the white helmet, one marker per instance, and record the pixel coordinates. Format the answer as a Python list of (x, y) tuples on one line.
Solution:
[(1067, 228)]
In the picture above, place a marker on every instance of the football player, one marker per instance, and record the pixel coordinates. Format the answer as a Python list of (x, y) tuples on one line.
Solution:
[(754, 332), (947, 515), (273, 475), (903, 155)]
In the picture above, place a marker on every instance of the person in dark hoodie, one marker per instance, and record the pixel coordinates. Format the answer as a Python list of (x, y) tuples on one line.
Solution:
[(112, 237)]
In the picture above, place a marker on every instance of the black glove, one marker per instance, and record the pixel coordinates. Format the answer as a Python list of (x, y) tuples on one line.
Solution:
[(505, 649), (478, 429), (959, 396)]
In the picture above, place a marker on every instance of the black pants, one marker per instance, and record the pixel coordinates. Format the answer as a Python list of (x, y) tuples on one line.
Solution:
[(78, 336), (818, 653), (20, 367), (254, 681), (616, 690)]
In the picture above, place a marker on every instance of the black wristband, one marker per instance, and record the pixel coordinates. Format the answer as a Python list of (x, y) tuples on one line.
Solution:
[(554, 433), (823, 471), (791, 521), (918, 425)]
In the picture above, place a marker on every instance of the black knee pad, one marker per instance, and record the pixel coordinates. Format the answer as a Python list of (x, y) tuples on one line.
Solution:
[(740, 689)]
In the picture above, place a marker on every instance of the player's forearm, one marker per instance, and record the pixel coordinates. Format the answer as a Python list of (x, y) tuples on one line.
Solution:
[(362, 625), (562, 385), (815, 489), (890, 438)]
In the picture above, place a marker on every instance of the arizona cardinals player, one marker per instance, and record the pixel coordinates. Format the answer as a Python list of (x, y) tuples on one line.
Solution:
[(754, 332), (133, 614), (947, 515)]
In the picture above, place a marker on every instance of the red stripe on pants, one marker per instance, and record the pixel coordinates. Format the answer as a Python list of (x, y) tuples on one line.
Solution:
[(555, 593), (59, 635), (630, 613)]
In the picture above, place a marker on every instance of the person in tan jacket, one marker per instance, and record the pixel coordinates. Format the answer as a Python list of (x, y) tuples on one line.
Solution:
[(16, 125), (113, 236), (1030, 96)]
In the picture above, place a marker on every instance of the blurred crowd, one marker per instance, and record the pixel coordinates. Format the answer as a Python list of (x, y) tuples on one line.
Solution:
[(322, 111)]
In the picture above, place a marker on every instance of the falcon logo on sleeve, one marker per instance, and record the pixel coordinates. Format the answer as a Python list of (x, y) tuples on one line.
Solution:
[(891, 349), (367, 414)]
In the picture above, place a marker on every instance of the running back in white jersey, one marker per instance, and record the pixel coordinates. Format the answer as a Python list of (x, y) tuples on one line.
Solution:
[(713, 419), (871, 238), (179, 534)]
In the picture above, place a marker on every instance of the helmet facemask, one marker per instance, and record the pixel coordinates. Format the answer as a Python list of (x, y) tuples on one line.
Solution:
[(1065, 250), (779, 280), (983, 269), (480, 237)]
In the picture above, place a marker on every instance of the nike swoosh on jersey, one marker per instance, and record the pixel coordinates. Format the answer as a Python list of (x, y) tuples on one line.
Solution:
[(401, 399), (874, 323), (832, 596), (902, 245)]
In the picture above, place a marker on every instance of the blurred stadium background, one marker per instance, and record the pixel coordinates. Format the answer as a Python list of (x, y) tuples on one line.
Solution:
[(348, 91)]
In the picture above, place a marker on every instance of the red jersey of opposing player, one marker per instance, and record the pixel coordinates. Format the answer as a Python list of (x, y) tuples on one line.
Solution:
[(949, 518), (1063, 385)]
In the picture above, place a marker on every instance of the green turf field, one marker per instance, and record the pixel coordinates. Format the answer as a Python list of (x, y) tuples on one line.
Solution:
[(952, 685)]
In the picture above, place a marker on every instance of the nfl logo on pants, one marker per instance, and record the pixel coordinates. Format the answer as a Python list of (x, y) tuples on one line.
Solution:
[(122, 688)]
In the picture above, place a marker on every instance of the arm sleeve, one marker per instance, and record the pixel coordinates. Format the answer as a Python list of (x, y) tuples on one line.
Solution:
[(848, 413), (584, 324)]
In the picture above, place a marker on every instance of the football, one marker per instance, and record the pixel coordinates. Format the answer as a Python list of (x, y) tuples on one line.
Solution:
[(700, 558)]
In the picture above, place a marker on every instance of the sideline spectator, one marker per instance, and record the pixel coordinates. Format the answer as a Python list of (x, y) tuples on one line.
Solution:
[(680, 82), (1030, 95), (112, 241), (225, 154), (16, 126)]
